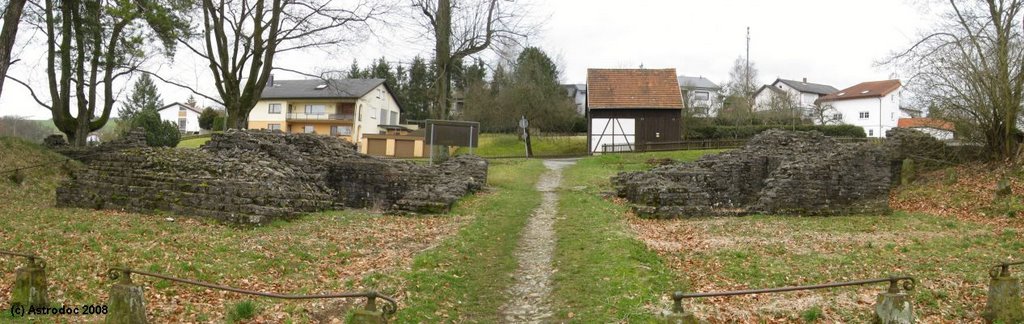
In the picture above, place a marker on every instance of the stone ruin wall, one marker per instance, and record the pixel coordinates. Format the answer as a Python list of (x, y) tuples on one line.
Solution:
[(254, 177), (777, 172)]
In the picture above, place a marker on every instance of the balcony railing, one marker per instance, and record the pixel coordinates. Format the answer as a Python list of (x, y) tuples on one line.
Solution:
[(340, 117)]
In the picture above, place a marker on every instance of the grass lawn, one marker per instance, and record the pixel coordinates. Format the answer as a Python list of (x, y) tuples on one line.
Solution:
[(950, 257), (603, 273), (318, 253), (465, 278), (492, 145), (193, 142)]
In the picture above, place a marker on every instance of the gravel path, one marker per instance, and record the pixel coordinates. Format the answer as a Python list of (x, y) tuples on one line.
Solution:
[(528, 297)]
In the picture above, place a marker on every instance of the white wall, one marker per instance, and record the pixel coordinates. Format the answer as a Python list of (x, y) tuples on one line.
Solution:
[(940, 134), (370, 106), (191, 118), (261, 111), (883, 113)]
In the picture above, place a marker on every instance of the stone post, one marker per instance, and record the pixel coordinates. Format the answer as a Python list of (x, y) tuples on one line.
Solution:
[(126, 303), (370, 314), (30, 285), (1004, 303), (893, 307), (679, 315)]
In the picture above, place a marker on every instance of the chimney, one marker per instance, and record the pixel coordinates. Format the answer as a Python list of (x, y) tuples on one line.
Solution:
[(805, 80), (270, 81)]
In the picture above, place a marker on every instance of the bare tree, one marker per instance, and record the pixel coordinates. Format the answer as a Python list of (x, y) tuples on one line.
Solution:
[(240, 39), (462, 28), (825, 114), (972, 68), (12, 16), (89, 46)]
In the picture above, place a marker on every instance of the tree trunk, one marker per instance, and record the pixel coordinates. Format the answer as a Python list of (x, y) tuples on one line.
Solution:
[(12, 16), (442, 57)]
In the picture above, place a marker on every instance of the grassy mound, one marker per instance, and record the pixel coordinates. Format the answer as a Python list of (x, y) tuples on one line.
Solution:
[(34, 184)]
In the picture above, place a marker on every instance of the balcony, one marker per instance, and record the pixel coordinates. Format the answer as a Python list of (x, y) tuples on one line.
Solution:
[(320, 117)]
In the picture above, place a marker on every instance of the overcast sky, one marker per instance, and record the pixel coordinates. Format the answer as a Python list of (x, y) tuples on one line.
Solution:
[(825, 41)]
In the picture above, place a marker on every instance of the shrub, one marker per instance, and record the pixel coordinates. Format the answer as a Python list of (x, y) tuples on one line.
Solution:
[(158, 133), (219, 123), (206, 118), (242, 311)]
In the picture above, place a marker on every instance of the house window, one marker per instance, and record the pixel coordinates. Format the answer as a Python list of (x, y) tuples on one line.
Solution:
[(181, 123), (359, 111), (316, 109), (865, 115), (274, 109), (701, 95), (274, 127), (341, 130), (308, 129), (838, 117), (871, 132), (383, 116), (394, 117), (892, 116)]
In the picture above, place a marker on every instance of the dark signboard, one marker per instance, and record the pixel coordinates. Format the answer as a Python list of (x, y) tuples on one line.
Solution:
[(452, 133)]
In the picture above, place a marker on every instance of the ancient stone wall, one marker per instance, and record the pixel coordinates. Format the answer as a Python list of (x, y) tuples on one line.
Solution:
[(253, 177), (777, 172)]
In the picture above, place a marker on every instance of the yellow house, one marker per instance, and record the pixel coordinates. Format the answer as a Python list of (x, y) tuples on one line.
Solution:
[(347, 108)]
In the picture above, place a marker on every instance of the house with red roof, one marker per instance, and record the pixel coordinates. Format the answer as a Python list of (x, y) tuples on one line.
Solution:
[(873, 105), (937, 128), (632, 109)]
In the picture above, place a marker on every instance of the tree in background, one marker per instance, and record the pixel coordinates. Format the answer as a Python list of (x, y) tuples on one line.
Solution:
[(825, 114), (739, 92), (89, 45), (30, 130), (9, 33), (531, 91), (144, 96), (206, 118), (970, 69), (240, 40), (474, 27), (418, 92)]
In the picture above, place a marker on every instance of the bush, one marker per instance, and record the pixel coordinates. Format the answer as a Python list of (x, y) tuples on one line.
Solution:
[(207, 118), (218, 123), (158, 133), (741, 132), (579, 124)]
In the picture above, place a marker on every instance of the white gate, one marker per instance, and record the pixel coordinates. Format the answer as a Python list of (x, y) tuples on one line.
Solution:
[(612, 134)]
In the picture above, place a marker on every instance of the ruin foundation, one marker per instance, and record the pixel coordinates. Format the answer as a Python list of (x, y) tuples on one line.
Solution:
[(777, 172), (254, 177)]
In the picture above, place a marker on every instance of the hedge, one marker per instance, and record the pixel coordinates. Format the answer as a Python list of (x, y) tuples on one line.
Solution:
[(723, 132)]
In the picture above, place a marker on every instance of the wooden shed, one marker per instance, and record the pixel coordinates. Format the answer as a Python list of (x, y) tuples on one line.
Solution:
[(632, 109)]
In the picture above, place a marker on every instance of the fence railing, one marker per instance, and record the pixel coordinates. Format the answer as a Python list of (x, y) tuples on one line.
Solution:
[(126, 298), (301, 116), (893, 305)]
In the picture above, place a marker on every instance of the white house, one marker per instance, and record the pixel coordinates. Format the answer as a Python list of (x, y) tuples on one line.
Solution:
[(803, 93), (346, 108), (940, 129), (578, 93), (185, 116), (700, 95), (874, 105)]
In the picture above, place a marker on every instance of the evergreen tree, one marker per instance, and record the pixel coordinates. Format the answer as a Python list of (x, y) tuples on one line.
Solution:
[(354, 72), (418, 92), (144, 96), (206, 118)]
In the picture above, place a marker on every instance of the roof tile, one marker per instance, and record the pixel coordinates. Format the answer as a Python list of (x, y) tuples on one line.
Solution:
[(633, 88)]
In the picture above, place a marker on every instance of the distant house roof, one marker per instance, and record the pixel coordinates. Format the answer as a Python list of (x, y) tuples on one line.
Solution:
[(329, 89), (633, 88), (865, 90), (803, 86), (179, 106), (925, 123), (324, 89), (696, 83), (769, 87)]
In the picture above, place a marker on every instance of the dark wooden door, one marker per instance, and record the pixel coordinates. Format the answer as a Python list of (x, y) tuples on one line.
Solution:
[(378, 147), (405, 148)]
